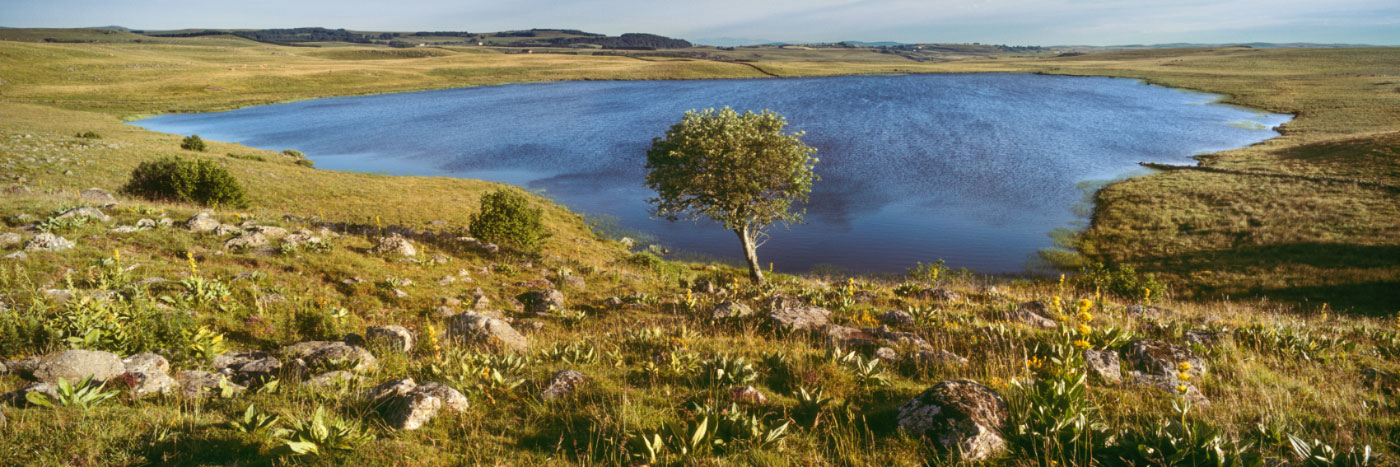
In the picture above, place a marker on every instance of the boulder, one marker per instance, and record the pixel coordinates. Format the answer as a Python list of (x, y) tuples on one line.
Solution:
[(542, 301), (298, 240), (147, 374), (20, 397), (47, 242), (97, 196), (394, 245), (224, 230), (1159, 358), (337, 355), (330, 380), (1207, 338), (451, 398), (475, 328), (730, 309), (1169, 384), (9, 239), (413, 411), (1032, 313), (793, 316), (410, 406), (1104, 365), (397, 338), (232, 361), (202, 221), (201, 383), (268, 231), (575, 283), (886, 354), (88, 212), (896, 318), (245, 241), (24, 367), (390, 389), (74, 365), (872, 338), (959, 417), (563, 384)]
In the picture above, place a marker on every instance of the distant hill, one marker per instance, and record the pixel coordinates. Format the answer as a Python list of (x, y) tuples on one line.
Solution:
[(1257, 45)]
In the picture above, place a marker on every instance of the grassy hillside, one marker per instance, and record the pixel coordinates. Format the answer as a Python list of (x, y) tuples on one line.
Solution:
[(1308, 216)]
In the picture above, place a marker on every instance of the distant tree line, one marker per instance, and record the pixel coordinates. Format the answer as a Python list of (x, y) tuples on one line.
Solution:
[(285, 36), (633, 41)]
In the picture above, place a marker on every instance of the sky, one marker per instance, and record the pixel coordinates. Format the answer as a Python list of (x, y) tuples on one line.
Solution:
[(1019, 22)]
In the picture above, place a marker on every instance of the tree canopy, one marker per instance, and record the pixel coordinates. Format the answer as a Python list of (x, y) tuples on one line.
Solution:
[(740, 170)]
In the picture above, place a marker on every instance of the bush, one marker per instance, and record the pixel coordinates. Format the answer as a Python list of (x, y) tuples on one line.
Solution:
[(300, 158), (1123, 281), (177, 179), (506, 218), (89, 135), (193, 143)]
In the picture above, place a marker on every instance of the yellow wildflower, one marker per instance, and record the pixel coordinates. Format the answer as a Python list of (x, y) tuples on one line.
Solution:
[(1085, 329), (1085, 304), (1085, 316), (1081, 343), (1181, 388), (1183, 366), (117, 255), (1184, 376)]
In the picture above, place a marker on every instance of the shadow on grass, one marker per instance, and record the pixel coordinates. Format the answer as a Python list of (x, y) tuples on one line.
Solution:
[(1372, 284), (208, 451)]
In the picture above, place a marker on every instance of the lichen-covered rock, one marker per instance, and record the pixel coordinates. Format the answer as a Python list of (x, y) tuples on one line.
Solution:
[(1032, 313), (147, 374), (47, 242), (731, 309), (245, 242), (87, 212), (390, 389), (872, 338), (330, 380), (1207, 338), (1104, 365), (793, 316), (896, 318), (563, 384), (202, 221), (410, 406), (9, 239), (1155, 357), (542, 301), (413, 411), (24, 367), (475, 328), (396, 338), (97, 196), (395, 245), (268, 231), (886, 354), (960, 417), (202, 383), (451, 398), (232, 361), (1169, 384), (74, 365)]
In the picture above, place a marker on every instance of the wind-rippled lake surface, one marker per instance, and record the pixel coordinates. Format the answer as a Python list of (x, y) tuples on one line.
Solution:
[(976, 169)]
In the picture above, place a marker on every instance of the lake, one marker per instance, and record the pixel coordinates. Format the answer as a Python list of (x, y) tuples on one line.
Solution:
[(976, 169)]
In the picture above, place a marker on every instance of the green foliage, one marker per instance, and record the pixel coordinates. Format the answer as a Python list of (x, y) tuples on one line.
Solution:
[(256, 422), (192, 143), (88, 135), (1052, 418), (1123, 281), (84, 395), (247, 157), (1319, 454), (506, 218), (928, 272), (724, 370), (315, 435), (739, 170), (188, 181)]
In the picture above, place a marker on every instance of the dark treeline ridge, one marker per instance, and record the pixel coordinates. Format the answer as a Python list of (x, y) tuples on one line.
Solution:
[(284, 36)]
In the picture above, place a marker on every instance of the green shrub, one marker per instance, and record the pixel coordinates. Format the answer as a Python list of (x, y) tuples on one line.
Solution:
[(300, 158), (1122, 281), (294, 153), (193, 143), (248, 157), (506, 218), (306, 163), (189, 181), (89, 135)]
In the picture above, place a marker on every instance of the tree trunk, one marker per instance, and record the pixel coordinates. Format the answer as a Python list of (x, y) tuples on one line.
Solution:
[(751, 254)]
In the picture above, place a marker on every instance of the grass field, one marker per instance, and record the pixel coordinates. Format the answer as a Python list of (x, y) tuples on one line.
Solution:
[(1280, 228)]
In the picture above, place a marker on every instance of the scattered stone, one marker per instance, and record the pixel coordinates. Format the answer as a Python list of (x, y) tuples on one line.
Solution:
[(391, 389), (897, 318), (1104, 365), (793, 316), (395, 245), (872, 338), (203, 221), (74, 365), (444, 312), (20, 397), (940, 357), (146, 224), (612, 302), (232, 361), (399, 293), (124, 229), (747, 395), (270, 299), (451, 398), (1149, 312), (447, 280), (331, 355), (201, 383), (24, 367), (47, 242), (1170, 384), (298, 240), (9, 239), (627, 242), (476, 328), (18, 255), (563, 384), (88, 212), (1033, 313), (1207, 338), (397, 338), (730, 309), (886, 354), (542, 301), (960, 417), (245, 241), (269, 231), (705, 286), (224, 230), (258, 372), (97, 196), (1159, 358), (939, 295), (147, 374), (481, 303), (331, 379), (575, 283), (411, 406)]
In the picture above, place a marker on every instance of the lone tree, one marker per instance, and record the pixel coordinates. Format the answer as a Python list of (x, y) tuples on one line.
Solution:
[(740, 170)]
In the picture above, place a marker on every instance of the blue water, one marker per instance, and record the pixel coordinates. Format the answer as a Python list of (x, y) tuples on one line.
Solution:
[(975, 169)]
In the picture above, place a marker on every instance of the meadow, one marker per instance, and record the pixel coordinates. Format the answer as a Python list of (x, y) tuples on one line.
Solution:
[(1277, 264)]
